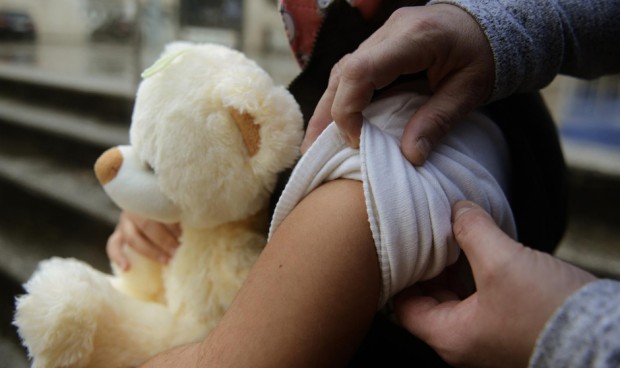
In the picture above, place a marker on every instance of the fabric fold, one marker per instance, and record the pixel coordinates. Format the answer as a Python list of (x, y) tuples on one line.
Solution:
[(409, 208)]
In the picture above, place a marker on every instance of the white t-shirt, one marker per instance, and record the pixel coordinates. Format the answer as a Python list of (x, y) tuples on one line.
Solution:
[(409, 208)]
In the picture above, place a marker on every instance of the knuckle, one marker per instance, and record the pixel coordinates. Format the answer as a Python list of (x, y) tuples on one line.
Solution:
[(451, 350), (354, 68), (339, 115), (400, 15), (438, 121), (423, 25), (476, 91), (334, 76), (346, 119), (336, 71), (466, 224), (456, 347)]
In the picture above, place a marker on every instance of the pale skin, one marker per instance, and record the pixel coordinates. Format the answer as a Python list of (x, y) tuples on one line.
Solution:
[(442, 40), (518, 289)]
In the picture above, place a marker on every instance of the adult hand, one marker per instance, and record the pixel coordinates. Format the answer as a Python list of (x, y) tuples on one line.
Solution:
[(442, 40), (518, 289), (152, 239)]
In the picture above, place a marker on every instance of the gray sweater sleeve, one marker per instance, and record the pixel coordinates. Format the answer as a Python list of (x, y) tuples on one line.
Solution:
[(584, 331), (534, 40)]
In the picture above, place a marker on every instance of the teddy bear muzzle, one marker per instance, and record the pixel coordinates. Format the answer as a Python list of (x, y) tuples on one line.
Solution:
[(108, 165), (133, 185)]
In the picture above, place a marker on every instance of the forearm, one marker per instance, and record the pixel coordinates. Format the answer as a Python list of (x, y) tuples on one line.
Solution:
[(310, 297), (533, 41)]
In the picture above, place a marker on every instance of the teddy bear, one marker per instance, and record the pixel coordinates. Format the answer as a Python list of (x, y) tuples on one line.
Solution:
[(209, 134)]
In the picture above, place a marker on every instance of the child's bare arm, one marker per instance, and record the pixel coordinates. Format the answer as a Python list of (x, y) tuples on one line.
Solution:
[(310, 297)]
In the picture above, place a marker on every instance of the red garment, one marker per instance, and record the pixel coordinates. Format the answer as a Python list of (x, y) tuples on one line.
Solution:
[(302, 20)]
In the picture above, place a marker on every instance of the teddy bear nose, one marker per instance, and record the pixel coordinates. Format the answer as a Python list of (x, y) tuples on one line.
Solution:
[(108, 165)]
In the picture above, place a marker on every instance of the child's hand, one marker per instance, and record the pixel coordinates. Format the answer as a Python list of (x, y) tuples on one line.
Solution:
[(152, 239), (442, 40), (518, 289)]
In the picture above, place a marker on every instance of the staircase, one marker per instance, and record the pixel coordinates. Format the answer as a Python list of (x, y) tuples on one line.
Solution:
[(53, 126), (55, 120)]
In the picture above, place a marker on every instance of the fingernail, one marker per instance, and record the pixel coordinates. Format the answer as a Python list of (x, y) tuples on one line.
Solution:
[(462, 207), (164, 260), (424, 147)]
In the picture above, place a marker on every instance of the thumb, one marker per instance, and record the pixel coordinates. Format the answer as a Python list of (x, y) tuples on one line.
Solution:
[(453, 100), (424, 316), (483, 242)]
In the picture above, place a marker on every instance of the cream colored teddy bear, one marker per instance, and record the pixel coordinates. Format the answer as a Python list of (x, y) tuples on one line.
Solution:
[(210, 132)]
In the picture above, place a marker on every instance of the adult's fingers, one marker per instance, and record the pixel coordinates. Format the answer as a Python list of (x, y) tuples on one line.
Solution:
[(348, 117), (353, 93), (372, 67), (454, 98), (426, 317), (486, 246), (353, 80)]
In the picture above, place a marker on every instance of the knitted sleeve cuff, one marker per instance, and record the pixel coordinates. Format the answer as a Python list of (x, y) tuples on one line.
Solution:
[(526, 38), (584, 331)]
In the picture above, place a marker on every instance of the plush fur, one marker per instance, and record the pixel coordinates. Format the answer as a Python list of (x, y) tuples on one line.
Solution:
[(209, 134)]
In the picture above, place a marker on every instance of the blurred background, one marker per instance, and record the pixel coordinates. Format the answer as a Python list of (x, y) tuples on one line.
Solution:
[(68, 73)]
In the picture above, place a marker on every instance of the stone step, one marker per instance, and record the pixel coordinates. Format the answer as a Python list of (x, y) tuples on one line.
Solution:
[(12, 353), (36, 228), (33, 230), (56, 168), (88, 129), (112, 109), (75, 188), (88, 68)]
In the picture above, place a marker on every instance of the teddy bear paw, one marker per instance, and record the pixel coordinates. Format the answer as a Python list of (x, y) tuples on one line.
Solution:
[(57, 318)]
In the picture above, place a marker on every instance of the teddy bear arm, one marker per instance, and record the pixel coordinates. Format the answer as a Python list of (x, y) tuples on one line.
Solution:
[(73, 317), (218, 269)]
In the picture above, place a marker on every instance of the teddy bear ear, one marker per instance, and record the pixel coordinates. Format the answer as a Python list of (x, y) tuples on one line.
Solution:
[(250, 130)]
